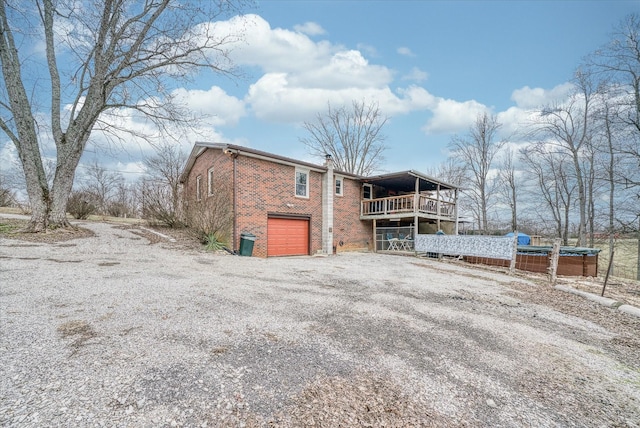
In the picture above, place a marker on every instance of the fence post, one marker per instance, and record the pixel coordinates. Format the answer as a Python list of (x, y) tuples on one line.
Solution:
[(514, 254), (606, 278), (553, 267)]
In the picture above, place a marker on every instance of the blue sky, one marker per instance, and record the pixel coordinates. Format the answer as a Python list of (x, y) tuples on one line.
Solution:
[(502, 56), (432, 66)]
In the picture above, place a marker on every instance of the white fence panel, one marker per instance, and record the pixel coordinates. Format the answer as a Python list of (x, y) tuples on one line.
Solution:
[(495, 247)]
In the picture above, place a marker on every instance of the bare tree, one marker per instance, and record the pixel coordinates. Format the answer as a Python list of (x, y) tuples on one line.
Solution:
[(101, 184), (553, 183), (476, 153), (567, 127), (161, 186), (123, 202), (449, 171), (607, 145), (7, 195), (619, 62), (101, 57), (353, 137), (508, 186), (616, 66)]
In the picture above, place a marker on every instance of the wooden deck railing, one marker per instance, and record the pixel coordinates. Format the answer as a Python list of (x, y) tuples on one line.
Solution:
[(405, 204)]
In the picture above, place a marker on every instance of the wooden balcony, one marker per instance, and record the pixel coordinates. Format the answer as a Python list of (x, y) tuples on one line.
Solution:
[(406, 206)]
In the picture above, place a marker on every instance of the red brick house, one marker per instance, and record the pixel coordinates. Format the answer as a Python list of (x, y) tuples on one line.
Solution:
[(299, 208)]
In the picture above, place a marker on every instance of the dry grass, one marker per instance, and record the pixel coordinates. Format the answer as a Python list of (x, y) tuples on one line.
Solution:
[(79, 330), (12, 229), (76, 328), (625, 258), (362, 400)]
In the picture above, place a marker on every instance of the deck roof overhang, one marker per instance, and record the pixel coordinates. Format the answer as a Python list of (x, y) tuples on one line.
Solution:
[(405, 181)]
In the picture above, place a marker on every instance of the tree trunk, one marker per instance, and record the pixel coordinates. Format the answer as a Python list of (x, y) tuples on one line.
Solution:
[(591, 202), (638, 264), (37, 186), (24, 135), (514, 210), (68, 158), (582, 202), (59, 198), (565, 237), (612, 189)]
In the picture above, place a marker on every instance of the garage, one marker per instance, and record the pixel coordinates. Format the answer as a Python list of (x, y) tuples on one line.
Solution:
[(287, 236)]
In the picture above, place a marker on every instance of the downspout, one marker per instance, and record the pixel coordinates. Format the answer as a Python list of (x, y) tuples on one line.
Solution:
[(233, 154), (235, 207)]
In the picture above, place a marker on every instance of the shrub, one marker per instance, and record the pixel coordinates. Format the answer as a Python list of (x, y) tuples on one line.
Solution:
[(212, 242), (159, 204), (80, 206), (213, 214)]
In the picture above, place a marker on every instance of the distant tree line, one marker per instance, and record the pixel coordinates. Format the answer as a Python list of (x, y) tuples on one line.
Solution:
[(579, 172)]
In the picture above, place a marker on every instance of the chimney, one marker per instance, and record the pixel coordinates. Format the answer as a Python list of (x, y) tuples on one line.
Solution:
[(328, 189)]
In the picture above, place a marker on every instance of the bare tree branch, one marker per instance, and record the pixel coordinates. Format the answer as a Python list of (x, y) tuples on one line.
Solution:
[(101, 55), (476, 153), (353, 137)]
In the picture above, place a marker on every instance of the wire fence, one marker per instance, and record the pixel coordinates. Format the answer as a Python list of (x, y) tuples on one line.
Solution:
[(625, 258), (498, 251), (395, 238)]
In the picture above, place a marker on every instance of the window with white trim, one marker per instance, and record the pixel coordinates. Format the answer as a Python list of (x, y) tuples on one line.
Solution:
[(302, 183), (367, 191), (198, 188), (210, 182), (339, 186)]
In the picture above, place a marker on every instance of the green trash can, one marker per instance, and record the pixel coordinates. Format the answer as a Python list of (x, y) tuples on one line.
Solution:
[(246, 243)]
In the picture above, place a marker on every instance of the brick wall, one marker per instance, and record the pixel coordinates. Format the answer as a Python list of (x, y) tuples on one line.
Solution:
[(223, 169), (265, 187), (269, 188), (354, 233)]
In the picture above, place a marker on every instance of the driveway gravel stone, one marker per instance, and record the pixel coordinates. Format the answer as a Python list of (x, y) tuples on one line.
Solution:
[(116, 330)]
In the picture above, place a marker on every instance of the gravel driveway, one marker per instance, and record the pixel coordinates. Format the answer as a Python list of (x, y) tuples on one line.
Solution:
[(114, 331)]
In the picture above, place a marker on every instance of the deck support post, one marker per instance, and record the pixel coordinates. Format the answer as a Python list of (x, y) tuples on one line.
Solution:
[(455, 209), (416, 207), (375, 235), (438, 206)]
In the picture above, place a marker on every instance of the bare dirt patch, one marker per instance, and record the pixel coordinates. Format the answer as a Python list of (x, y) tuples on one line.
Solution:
[(12, 229), (78, 330), (361, 400)]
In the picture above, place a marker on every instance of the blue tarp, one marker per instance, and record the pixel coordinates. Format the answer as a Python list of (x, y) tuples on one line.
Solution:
[(523, 238)]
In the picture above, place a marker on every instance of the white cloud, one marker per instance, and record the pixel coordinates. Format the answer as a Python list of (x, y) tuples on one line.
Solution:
[(405, 51), (414, 98), (274, 98), (345, 69), (369, 50), (214, 103), (515, 121), (125, 136), (273, 49), (416, 75), (310, 28), (532, 98), (301, 76), (8, 156), (453, 116)]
